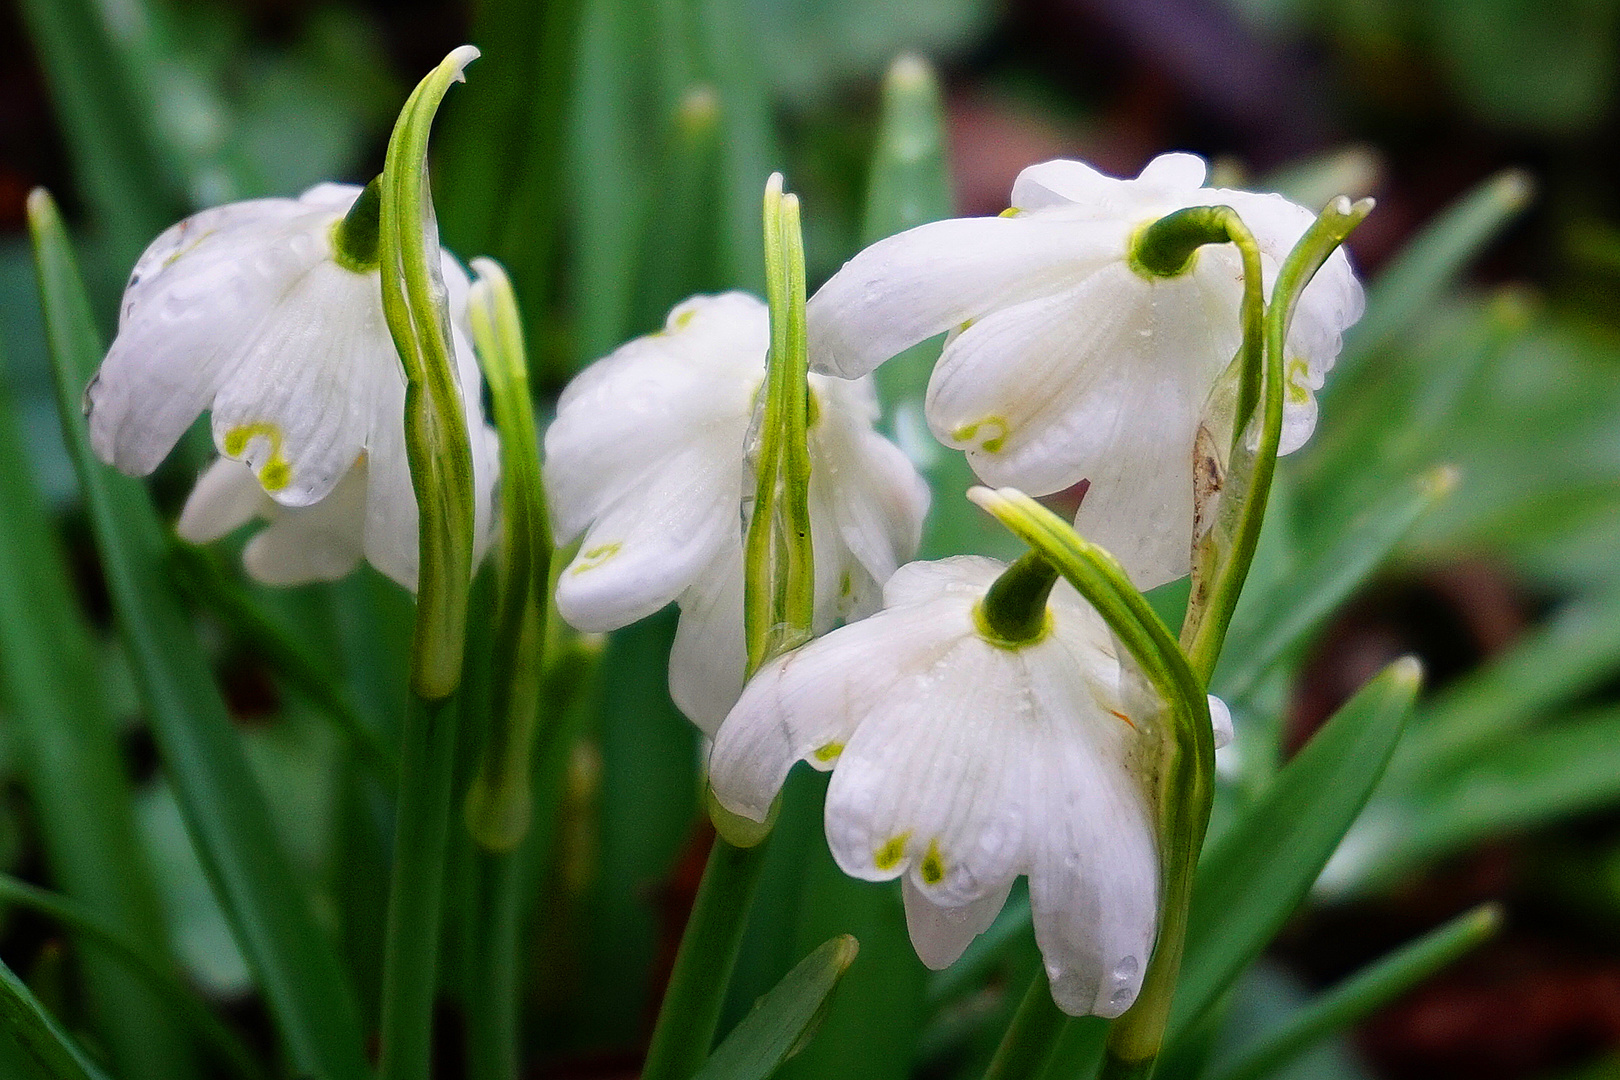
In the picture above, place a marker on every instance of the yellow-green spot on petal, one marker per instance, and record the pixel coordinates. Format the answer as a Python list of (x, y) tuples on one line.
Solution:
[(1299, 393), (990, 433), (828, 751), (1011, 211), (846, 586), (594, 557), (684, 319), (889, 855), (933, 865), (276, 471)]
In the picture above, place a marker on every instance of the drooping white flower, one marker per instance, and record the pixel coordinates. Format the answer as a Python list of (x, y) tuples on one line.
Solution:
[(648, 459), (1064, 363), (960, 763), (248, 310)]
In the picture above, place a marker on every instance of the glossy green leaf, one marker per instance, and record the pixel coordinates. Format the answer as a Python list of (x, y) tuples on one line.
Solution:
[(224, 808), (783, 1018), (1253, 878), (1272, 623), (66, 744), (1365, 992), (41, 1037)]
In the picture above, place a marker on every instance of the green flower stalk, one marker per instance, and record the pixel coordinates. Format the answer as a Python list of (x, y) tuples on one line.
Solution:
[(417, 308)]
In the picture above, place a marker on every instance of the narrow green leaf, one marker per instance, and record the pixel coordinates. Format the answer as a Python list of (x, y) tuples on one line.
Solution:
[(156, 973), (1571, 654), (1365, 992), (25, 1019), (224, 808), (67, 748), (1517, 784), (1427, 266), (1284, 617), (783, 1018), (1253, 878), (118, 159)]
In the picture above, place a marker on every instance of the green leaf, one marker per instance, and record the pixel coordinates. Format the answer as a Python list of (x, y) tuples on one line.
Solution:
[(25, 1019), (224, 808), (118, 159), (1253, 878), (783, 1018), (1273, 623), (1364, 993), (64, 736), (1426, 268), (153, 972)]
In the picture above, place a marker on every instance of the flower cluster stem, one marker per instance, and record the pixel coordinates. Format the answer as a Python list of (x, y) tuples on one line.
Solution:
[(691, 1009), (416, 894)]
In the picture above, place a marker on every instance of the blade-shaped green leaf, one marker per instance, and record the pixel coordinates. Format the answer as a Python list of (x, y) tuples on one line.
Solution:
[(1272, 623), (783, 1018), (41, 1037), (1254, 877), (271, 917), (64, 735), (1365, 992), (156, 973)]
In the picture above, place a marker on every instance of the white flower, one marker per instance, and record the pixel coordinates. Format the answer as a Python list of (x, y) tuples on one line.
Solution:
[(648, 459), (1065, 364), (960, 764), (246, 310)]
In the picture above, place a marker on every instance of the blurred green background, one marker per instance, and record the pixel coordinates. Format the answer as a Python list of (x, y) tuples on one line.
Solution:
[(611, 153)]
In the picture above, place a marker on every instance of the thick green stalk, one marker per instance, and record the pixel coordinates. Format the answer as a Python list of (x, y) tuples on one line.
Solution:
[(697, 985), (416, 895), (778, 598)]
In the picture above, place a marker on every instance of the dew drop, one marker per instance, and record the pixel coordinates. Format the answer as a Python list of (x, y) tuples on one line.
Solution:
[(1125, 970)]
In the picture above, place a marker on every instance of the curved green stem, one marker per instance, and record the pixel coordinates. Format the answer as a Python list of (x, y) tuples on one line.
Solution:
[(1211, 609), (1031, 1037)]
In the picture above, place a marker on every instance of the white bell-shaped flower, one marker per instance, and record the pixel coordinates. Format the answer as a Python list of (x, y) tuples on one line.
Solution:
[(648, 459), (960, 762), (248, 310), (1065, 364)]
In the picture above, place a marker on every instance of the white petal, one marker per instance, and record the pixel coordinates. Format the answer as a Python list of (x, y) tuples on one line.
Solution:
[(804, 705), (225, 497), (941, 934), (626, 413), (196, 297), (1105, 383), (648, 548), (1076, 187), (299, 404), (926, 582), (1220, 718), (322, 542), (707, 659), (874, 497), (931, 782), (935, 277)]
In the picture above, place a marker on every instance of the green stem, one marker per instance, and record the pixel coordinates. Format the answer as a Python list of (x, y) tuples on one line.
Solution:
[(1211, 610), (1013, 611), (697, 985), (1031, 1037), (415, 899)]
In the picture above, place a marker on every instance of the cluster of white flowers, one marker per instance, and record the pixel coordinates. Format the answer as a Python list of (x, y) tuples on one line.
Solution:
[(960, 760)]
